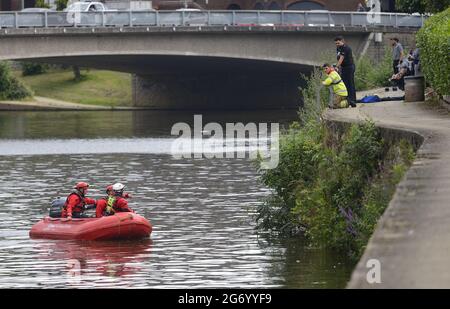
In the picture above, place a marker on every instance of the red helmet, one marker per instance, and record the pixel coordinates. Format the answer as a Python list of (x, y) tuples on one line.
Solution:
[(109, 189), (81, 185)]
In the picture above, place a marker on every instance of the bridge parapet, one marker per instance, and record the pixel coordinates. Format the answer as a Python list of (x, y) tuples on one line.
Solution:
[(152, 18)]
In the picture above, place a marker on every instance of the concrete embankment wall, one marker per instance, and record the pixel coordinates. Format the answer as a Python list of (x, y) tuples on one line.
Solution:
[(389, 135), (377, 50), (411, 242)]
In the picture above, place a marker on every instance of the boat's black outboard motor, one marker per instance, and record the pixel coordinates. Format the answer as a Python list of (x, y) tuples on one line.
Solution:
[(57, 207)]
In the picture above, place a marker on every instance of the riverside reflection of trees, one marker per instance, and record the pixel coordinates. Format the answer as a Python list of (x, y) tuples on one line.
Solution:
[(66, 124), (302, 266), (10, 126), (159, 123), (120, 124)]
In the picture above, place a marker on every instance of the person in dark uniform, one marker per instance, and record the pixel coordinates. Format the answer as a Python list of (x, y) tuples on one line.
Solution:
[(346, 67)]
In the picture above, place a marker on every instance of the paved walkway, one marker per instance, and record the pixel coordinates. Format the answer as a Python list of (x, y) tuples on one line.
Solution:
[(41, 103), (412, 239)]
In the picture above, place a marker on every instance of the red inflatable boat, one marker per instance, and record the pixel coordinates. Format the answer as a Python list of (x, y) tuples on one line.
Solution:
[(122, 225)]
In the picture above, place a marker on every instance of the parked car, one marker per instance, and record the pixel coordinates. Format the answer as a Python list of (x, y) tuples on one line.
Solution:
[(94, 12), (89, 13), (86, 7)]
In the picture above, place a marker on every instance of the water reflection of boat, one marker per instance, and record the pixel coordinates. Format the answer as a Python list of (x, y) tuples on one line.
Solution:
[(114, 259), (123, 225)]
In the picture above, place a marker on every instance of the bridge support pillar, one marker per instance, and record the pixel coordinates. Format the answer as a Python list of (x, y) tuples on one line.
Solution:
[(216, 91)]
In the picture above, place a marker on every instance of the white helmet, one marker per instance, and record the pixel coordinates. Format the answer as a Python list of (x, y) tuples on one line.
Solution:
[(118, 187)]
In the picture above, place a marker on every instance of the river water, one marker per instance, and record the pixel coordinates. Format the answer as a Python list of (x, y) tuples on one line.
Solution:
[(202, 210)]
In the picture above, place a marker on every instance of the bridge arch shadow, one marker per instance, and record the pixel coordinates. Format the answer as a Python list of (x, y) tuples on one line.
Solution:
[(199, 82)]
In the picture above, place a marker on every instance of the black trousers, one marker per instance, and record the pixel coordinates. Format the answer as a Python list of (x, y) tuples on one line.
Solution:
[(399, 83), (395, 66), (348, 77)]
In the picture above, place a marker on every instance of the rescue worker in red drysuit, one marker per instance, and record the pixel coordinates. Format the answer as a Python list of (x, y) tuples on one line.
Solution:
[(109, 191), (114, 202), (76, 202)]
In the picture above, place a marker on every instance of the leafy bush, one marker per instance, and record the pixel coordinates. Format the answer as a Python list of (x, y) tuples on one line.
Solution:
[(10, 87), (32, 68), (315, 96), (17, 90), (434, 43), (331, 187), (332, 204)]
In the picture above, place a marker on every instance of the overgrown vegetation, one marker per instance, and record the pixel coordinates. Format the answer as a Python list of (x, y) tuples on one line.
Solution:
[(434, 43), (10, 87), (33, 68), (331, 185), (373, 75)]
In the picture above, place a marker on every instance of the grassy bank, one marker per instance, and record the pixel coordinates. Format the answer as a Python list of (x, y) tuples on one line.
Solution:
[(96, 87), (332, 186)]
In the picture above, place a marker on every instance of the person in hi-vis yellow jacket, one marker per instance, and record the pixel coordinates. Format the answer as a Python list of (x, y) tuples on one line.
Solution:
[(339, 89)]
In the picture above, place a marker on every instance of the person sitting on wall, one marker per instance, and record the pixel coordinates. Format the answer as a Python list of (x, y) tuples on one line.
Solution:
[(399, 78)]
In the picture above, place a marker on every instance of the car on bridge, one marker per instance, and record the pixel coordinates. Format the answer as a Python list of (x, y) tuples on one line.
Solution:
[(97, 14), (86, 7), (85, 13)]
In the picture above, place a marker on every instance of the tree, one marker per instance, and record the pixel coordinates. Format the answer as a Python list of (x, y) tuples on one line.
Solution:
[(33, 68), (435, 6), (410, 6), (10, 87), (41, 4), (76, 73), (61, 4), (422, 6)]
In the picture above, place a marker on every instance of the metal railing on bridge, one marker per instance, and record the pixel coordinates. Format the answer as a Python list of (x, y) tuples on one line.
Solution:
[(207, 18)]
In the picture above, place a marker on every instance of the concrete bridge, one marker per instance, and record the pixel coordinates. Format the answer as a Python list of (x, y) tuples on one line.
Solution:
[(178, 66)]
